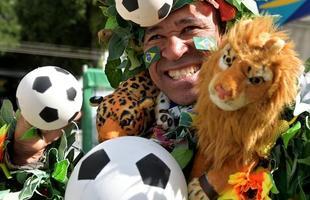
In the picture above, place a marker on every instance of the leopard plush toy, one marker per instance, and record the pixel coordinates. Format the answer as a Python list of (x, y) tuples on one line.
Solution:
[(242, 89), (163, 117), (129, 110)]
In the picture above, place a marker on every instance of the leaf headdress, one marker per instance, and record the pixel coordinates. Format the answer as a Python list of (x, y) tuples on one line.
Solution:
[(123, 39)]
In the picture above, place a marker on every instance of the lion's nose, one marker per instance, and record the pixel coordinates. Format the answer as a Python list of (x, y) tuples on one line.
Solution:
[(222, 92)]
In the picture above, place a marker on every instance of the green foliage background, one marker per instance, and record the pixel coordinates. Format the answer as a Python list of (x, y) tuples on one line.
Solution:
[(9, 26), (60, 22)]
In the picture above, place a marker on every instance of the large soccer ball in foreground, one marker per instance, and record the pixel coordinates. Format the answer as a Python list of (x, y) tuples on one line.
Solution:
[(127, 168), (49, 97), (144, 12)]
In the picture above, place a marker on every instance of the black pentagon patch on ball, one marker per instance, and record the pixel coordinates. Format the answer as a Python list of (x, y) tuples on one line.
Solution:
[(163, 11), (93, 165), (153, 171), (41, 84), (49, 114), (71, 93), (130, 5), (61, 70)]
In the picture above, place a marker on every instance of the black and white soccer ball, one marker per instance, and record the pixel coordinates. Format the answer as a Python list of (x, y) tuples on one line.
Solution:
[(127, 168), (49, 97), (144, 12)]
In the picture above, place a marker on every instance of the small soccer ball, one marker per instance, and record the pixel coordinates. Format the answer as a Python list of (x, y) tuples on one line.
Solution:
[(49, 97), (144, 12), (127, 168)]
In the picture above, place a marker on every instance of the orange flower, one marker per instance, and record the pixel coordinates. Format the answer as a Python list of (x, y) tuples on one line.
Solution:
[(3, 133), (254, 185)]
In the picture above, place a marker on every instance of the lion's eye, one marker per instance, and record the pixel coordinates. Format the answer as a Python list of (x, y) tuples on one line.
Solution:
[(256, 80), (227, 59)]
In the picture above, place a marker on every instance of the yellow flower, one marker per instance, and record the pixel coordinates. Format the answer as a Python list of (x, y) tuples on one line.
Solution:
[(254, 185), (3, 132)]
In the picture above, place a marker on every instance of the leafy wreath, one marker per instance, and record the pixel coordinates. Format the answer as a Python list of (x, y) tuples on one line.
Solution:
[(48, 182), (123, 39)]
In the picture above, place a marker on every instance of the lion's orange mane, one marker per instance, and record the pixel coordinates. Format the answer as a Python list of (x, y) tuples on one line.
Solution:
[(238, 137)]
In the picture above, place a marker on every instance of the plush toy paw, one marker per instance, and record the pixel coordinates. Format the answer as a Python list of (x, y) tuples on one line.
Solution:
[(195, 191), (163, 117)]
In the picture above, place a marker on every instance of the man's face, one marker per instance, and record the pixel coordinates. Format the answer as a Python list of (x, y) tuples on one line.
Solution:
[(177, 71)]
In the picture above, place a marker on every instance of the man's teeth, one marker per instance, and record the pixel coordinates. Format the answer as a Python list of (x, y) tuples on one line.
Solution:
[(183, 73)]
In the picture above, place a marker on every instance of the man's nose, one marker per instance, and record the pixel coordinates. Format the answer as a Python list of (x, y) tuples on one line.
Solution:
[(174, 48)]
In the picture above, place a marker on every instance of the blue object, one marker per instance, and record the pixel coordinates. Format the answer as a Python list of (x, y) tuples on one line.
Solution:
[(288, 9)]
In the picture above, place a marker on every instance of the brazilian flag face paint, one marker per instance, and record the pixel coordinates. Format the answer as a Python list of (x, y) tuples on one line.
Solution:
[(205, 43), (151, 55), (201, 43)]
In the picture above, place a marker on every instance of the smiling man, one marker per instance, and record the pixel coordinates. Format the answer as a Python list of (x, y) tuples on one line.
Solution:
[(175, 74)]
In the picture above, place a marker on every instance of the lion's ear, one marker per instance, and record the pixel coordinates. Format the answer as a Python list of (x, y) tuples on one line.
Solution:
[(274, 45)]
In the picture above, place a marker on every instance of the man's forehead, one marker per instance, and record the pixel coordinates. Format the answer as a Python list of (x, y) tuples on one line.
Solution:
[(182, 21), (184, 16)]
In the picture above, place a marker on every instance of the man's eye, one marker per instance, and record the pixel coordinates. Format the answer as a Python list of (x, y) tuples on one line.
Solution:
[(155, 37), (189, 29)]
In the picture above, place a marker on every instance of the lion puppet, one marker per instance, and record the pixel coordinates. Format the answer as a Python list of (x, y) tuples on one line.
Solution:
[(243, 88)]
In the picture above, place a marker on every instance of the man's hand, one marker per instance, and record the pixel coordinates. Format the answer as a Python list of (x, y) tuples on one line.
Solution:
[(30, 150)]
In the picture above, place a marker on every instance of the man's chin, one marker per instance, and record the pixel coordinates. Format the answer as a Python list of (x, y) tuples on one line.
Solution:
[(183, 98)]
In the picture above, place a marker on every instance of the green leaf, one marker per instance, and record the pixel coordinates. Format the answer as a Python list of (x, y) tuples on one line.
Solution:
[(307, 65), (21, 176), (290, 133), (6, 112), (185, 119), (30, 187), (71, 139), (305, 161), (114, 74), (134, 61), (251, 6), (118, 43), (182, 154), (123, 64), (104, 10), (70, 129), (3, 129), (112, 11), (288, 169), (274, 188), (60, 172), (293, 169), (111, 23), (130, 73), (52, 158), (70, 155), (302, 195), (62, 147), (30, 134), (182, 134), (180, 3), (236, 3)]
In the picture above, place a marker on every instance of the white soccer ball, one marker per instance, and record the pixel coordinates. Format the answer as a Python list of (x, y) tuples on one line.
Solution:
[(144, 12), (127, 168), (49, 97)]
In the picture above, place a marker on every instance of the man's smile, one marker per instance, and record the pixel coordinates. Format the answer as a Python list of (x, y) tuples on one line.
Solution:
[(177, 74)]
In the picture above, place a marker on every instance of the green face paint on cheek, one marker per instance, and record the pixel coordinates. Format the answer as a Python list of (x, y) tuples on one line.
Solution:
[(205, 43), (151, 55)]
